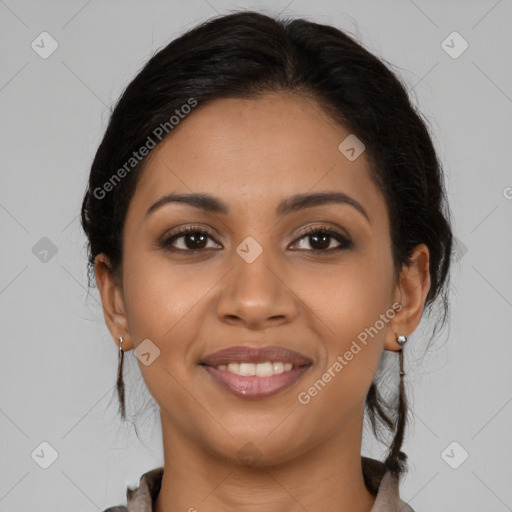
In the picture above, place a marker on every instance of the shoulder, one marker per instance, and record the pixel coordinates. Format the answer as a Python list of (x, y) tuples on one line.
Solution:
[(384, 486), (142, 497)]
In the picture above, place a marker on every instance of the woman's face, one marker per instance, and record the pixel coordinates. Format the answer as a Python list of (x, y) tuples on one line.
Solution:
[(255, 278)]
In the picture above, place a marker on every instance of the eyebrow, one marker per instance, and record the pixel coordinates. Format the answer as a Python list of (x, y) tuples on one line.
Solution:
[(295, 203)]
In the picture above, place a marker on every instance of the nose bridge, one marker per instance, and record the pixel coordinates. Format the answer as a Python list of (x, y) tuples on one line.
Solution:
[(252, 264), (255, 293)]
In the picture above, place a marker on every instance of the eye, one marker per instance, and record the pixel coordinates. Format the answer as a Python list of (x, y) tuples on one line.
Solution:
[(322, 236), (194, 239)]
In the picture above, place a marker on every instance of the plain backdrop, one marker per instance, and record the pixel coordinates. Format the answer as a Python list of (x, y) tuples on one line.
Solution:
[(57, 359)]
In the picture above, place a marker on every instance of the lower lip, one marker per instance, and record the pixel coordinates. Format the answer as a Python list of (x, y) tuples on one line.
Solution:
[(252, 386)]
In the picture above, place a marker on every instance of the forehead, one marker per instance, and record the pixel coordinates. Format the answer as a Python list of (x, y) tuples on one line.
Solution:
[(255, 152)]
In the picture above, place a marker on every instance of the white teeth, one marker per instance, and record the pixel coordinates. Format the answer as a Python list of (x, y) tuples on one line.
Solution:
[(266, 369), (278, 367)]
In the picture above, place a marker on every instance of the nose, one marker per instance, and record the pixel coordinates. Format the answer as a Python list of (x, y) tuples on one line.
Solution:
[(256, 295)]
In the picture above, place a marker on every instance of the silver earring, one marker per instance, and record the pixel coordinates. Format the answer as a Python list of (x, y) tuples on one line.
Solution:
[(401, 339)]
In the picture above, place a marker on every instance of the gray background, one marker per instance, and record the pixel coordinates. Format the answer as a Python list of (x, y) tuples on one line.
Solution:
[(58, 361)]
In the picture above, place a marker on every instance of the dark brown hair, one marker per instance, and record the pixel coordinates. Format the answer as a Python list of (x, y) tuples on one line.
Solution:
[(246, 54)]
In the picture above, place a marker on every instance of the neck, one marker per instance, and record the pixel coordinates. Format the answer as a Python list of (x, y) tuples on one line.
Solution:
[(327, 477)]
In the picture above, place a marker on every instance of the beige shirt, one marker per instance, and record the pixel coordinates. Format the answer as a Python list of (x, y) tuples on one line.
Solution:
[(384, 486)]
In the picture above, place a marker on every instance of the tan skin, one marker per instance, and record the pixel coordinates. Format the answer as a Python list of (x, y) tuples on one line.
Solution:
[(252, 154)]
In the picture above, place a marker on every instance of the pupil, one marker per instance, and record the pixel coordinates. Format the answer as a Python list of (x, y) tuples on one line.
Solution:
[(193, 236), (324, 237)]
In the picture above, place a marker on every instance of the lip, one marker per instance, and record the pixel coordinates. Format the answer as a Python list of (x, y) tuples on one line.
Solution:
[(253, 386), (245, 354)]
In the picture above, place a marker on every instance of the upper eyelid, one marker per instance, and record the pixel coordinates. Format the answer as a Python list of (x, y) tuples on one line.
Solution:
[(211, 231)]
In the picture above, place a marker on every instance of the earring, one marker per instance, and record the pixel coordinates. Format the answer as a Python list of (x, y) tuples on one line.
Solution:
[(401, 340), (396, 460), (119, 382)]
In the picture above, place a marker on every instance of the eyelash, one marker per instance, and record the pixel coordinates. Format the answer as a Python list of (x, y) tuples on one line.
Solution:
[(165, 243)]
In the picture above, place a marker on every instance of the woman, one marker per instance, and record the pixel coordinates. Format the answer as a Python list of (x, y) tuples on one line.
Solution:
[(266, 216)]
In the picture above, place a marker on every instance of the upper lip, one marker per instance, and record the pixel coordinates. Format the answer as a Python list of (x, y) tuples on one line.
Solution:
[(245, 354)]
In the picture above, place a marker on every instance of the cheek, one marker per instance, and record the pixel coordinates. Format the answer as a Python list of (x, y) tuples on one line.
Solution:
[(158, 295), (348, 303), (345, 299), (346, 306), (162, 303)]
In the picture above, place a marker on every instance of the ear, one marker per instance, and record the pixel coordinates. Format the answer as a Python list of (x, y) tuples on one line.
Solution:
[(411, 292), (112, 299)]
